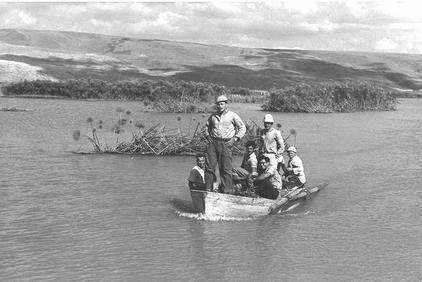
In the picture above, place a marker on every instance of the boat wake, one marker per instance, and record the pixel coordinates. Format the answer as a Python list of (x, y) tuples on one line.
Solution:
[(200, 216), (184, 208), (295, 214)]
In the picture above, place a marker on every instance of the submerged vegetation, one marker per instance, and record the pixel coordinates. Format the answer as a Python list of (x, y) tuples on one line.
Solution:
[(12, 109), (129, 137), (329, 97)]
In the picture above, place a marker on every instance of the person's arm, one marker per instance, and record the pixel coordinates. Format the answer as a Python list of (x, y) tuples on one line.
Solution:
[(200, 186), (196, 186), (193, 176), (254, 164), (297, 166), (239, 126), (280, 143), (254, 173), (289, 170), (284, 168), (265, 175), (208, 128)]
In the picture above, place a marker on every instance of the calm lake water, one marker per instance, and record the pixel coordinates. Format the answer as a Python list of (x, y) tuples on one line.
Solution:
[(74, 217)]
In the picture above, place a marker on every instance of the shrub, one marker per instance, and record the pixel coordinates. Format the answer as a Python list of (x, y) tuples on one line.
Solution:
[(179, 96), (347, 96)]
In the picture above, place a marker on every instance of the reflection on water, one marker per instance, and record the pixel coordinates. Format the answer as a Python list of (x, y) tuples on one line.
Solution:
[(70, 217)]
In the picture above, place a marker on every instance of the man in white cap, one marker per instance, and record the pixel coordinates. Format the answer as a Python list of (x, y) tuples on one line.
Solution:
[(294, 171), (224, 127), (271, 143)]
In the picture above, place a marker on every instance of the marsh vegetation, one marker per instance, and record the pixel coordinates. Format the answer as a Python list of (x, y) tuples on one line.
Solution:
[(328, 97), (134, 137), (188, 97), (160, 95)]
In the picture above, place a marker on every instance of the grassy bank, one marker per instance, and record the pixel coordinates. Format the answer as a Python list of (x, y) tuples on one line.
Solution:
[(348, 96)]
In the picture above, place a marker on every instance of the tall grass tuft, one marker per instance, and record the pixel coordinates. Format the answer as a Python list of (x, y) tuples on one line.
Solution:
[(326, 97)]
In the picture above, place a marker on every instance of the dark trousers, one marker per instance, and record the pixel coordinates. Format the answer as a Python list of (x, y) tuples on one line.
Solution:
[(219, 152), (292, 181), (265, 189)]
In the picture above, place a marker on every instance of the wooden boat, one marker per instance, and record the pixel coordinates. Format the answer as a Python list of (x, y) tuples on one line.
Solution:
[(225, 205)]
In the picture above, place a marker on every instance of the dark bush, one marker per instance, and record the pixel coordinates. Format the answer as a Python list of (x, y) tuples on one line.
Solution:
[(166, 95), (347, 96)]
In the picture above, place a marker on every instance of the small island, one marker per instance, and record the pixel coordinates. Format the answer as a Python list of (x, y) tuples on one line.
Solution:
[(180, 96), (330, 97)]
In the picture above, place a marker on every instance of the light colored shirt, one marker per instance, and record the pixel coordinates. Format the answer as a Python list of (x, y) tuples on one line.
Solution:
[(274, 177), (249, 162), (296, 164), (226, 126), (196, 175), (272, 142)]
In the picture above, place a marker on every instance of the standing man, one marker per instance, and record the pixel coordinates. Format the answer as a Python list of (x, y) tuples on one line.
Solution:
[(272, 143), (196, 178), (224, 127)]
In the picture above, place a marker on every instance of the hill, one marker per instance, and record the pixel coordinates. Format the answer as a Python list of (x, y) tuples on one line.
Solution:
[(57, 55)]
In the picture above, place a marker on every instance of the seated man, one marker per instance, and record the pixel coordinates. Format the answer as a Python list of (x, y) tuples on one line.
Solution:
[(268, 183), (249, 163), (294, 171), (242, 176), (196, 178)]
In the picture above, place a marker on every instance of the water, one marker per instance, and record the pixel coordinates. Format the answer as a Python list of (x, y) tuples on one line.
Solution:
[(73, 217)]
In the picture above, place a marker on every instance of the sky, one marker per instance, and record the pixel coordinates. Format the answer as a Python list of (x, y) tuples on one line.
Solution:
[(374, 26)]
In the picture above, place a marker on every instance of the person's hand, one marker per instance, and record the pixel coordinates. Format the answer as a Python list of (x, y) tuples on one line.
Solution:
[(231, 141)]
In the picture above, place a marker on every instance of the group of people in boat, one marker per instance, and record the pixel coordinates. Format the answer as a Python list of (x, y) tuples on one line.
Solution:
[(263, 171)]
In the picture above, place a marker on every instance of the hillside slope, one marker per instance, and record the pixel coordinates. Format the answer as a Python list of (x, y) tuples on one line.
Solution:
[(32, 54)]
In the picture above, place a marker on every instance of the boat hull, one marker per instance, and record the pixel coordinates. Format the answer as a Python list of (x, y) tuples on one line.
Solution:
[(225, 205)]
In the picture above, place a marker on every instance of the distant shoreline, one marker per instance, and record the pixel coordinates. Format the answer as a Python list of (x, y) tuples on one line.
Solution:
[(194, 97)]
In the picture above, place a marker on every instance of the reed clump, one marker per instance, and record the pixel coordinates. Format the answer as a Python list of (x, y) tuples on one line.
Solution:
[(326, 97), (157, 139), (173, 96), (161, 95)]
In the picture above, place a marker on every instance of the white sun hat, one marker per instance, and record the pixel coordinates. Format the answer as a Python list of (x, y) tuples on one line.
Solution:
[(221, 98), (291, 149), (268, 118)]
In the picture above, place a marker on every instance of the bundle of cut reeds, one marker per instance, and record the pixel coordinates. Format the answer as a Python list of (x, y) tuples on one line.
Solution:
[(159, 141)]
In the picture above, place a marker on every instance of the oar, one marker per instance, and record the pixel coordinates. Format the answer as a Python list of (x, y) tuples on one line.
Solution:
[(276, 207), (309, 191), (294, 194)]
